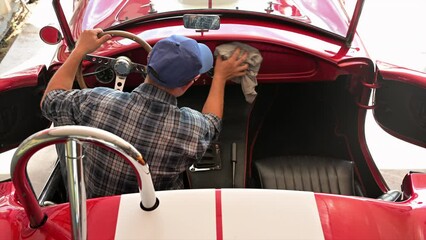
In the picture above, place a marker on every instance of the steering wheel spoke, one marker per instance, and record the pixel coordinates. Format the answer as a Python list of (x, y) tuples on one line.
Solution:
[(119, 83), (139, 68), (107, 61)]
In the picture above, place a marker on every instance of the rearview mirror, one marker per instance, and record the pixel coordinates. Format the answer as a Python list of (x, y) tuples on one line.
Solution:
[(200, 21)]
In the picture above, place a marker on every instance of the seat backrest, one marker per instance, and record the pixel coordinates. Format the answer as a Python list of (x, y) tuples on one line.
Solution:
[(306, 173)]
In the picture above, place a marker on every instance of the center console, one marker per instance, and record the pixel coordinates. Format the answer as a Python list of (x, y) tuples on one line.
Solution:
[(223, 165)]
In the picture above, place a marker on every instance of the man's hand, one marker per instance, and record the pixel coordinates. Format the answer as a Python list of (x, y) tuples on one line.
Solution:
[(64, 77), (224, 71), (232, 67), (89, 41)]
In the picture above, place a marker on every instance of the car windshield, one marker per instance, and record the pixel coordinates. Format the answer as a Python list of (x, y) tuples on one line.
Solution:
[(329, 16)]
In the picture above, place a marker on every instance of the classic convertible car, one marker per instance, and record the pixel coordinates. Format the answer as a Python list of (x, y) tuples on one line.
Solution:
[(291, 162)]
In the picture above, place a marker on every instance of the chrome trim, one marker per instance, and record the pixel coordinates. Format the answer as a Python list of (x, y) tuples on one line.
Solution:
[(76, 188), (73, 135)]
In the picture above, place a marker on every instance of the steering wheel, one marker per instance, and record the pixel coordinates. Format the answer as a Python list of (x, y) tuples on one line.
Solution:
[(122, 65)]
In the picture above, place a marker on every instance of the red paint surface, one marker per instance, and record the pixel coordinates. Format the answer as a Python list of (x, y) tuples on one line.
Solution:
[(363, 218), (102, 216), (219, 227), (25, 78)]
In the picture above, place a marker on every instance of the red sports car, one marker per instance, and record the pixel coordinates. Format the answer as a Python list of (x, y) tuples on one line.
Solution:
[(291, 162)]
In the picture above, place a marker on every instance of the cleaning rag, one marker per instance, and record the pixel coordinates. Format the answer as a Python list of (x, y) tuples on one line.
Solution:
[(254, 60)]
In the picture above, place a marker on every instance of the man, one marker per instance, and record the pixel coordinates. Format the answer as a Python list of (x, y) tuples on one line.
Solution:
[(148, 117)]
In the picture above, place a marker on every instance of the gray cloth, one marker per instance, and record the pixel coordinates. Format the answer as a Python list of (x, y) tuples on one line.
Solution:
[(254, 59)]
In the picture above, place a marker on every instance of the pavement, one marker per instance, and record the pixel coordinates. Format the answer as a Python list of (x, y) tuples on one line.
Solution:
[(10, 13), (393, 31), (28, 49)]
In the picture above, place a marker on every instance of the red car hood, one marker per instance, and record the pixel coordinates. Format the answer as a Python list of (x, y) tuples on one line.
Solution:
[(326, 15)]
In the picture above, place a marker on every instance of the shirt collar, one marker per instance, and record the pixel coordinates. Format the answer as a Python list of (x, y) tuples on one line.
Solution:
[(153, 92)]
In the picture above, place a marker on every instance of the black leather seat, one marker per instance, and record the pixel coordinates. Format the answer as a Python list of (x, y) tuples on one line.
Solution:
[(305, 173)]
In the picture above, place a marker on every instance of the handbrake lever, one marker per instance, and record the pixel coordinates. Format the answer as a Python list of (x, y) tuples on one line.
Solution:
[(234, 162)]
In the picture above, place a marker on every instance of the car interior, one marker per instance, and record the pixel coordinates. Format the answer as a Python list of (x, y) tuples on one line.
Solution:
[(300, 133), (276, 143)]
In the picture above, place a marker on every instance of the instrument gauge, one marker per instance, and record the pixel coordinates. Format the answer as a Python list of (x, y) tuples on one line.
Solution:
[(105, 74)]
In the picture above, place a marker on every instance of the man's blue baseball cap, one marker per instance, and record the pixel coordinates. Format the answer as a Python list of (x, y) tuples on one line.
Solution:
[(176, 60)]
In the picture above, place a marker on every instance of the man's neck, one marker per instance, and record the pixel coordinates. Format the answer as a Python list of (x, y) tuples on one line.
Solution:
[(175, 92)]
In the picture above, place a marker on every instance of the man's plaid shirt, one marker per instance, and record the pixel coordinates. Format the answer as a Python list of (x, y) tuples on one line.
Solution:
[(169, 138)]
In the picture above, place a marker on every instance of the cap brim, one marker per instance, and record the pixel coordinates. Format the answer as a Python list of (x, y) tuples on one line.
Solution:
[(206, 58)]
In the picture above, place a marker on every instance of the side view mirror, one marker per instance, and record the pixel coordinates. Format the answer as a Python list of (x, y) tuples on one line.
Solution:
[(201, 21), (50, 35)]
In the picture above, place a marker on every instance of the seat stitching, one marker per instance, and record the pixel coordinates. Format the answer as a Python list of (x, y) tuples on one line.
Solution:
[(285, 173), (310, 178), (293, 177), (301, 176), (337, 177), (276, 179), (328, 180), (260, 178)]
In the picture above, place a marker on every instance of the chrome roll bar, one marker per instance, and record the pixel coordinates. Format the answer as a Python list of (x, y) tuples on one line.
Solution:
[(73, 137)]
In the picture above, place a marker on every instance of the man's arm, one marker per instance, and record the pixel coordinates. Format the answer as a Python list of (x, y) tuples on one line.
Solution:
[(64, 77), (224, 71)]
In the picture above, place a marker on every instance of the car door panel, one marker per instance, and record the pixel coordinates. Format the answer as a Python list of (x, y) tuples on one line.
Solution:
[(400, 103), (20, 114)]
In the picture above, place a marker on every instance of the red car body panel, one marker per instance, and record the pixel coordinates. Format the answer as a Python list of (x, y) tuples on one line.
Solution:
[(325, 15), (27, 78), (104, 14), (102, 215), (364, 218), (396, 73)]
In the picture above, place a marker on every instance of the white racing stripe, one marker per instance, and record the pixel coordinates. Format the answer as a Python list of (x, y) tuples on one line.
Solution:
[(245, 214), (182, 214), (270, 214)]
